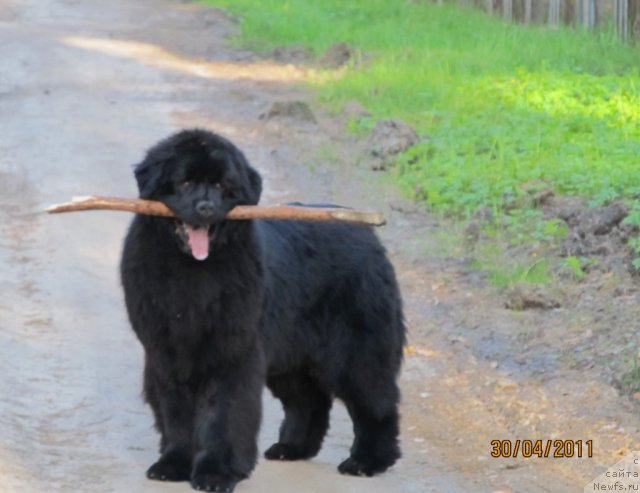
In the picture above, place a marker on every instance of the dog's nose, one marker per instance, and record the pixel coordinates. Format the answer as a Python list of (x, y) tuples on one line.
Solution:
[(205, 208)]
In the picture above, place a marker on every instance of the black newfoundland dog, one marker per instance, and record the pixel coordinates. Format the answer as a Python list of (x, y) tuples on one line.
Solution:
[(223, 307)]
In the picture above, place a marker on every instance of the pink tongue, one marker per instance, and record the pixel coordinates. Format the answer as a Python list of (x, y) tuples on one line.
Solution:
[(198, 241)]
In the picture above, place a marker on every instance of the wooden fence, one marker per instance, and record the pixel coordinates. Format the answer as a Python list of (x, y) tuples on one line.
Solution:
[(625, 14)]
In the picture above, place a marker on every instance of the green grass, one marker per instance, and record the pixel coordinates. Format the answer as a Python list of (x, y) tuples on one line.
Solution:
[(504, 111), (498, 105), (576, 266), (630, 381), (490, 259)]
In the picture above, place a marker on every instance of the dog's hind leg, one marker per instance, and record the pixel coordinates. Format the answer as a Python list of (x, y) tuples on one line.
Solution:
[(373, 407), (306, 408)]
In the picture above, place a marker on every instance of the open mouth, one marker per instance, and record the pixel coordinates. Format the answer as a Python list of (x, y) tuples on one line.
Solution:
[(197, 238)]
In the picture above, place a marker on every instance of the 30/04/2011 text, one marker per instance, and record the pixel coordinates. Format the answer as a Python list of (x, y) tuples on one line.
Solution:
[(557, 449)]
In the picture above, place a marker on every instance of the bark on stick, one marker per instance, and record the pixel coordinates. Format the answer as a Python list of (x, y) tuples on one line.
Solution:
[(289, 212)]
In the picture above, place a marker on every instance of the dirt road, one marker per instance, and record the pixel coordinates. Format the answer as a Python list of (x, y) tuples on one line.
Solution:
[(85, 88)]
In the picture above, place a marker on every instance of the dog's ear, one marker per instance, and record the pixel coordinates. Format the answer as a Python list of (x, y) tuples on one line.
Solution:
[(255, 186), (144, 178), (150, 176), (252, 181)]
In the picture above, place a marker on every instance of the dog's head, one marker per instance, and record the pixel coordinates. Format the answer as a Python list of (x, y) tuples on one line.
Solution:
[(200, 176)]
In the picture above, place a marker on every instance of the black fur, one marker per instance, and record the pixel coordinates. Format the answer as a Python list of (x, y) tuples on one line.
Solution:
[(311, 309)]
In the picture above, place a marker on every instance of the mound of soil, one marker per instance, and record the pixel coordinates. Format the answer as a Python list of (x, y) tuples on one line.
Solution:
[(522, 297), (594, 231), (336, 56), (295, 55), (388, 139), (292, 110)]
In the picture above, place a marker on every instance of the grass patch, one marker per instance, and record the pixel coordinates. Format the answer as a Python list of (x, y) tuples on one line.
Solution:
[(500, 107), (575, 266), (506, 273), (514, 248), (633, 219), (526, 226), (499, 104), (630, 381)]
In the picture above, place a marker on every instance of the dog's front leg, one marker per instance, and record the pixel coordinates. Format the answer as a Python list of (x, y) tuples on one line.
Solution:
[(173, 409), (228, 414)]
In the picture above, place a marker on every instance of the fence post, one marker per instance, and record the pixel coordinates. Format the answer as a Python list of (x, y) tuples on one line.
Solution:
[(621, 15), (634, 20), (507, 10), (489, 6), (528, 11), (587, 13), (554, 13)]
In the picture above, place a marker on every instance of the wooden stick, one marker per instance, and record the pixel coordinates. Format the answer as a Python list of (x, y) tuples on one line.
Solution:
[(290, 212)]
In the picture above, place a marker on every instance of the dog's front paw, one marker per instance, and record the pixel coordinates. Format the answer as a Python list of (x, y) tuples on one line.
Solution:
[(169, 470), (213, 482), (282, 451), (352, 467)]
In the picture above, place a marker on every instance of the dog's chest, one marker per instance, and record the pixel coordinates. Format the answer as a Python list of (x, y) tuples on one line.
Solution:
[(202, 299)]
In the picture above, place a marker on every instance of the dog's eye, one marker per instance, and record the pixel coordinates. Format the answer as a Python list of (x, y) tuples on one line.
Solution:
[(184, 186)]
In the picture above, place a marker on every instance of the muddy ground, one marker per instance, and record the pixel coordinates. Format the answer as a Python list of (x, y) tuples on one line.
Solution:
[(85, 88)]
